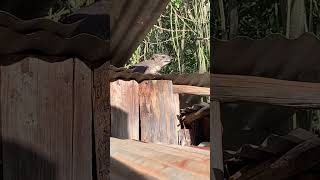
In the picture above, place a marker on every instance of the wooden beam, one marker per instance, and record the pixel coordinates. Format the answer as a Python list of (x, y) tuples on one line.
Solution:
[(195, 90), (295, 161), (101, 121), (216, 154), (231, 88)]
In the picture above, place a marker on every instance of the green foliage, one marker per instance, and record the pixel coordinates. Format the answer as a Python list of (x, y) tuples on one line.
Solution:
[(183, 32)]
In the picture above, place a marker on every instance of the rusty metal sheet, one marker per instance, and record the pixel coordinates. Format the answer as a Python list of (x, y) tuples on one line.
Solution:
[(131, 20), (136, 160), (48, 38), (274, 57)]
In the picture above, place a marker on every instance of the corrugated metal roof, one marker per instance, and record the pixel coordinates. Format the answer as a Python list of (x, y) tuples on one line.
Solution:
[(136, 160), (200, 80), (130, 22)]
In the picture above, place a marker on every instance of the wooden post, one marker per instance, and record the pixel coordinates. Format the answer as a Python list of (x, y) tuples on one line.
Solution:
[(157, 112), (101, 121), (216, 152)]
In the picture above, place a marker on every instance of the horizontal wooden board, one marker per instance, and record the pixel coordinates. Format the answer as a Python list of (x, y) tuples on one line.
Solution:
[(230, 88), (185, 89)]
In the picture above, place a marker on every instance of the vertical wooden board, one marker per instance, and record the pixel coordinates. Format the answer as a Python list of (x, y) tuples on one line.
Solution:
[(124, 101), (82, 131), (36, 116), (157, 112), (177, 112), (101, 119), (216, 152)]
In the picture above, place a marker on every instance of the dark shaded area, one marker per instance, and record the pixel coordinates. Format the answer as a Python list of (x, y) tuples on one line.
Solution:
[(27, 9), (94, 20), (85, 34), (120, 171), (271, 57), (22, 163), (119, 123)]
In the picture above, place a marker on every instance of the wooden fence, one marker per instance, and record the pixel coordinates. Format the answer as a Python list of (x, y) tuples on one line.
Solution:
[(236, 88)]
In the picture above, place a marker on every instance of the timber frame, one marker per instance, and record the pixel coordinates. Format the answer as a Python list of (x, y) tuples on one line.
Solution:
[(238, 88)]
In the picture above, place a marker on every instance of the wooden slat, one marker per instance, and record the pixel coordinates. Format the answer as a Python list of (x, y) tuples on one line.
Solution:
[(157, 112), (82, 131), (185, 89), (36, 116), (136, 160), (124, 101), (101, 115), (295, 161), (216, 154), (229, 88)]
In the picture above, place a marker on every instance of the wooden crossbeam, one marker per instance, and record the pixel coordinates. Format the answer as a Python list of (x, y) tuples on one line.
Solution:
[(231, 88), (195, 90)]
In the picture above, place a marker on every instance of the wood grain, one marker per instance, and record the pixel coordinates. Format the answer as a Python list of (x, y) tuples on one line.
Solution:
[(230, 88), (216, 151), (82, 131), (295, 161), (185, 89), (101, 115), (37, 118), (124, 101), (157, 112)]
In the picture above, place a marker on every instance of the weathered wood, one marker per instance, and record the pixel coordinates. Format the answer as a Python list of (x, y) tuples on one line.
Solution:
[(216, 142), (203, 112), (157, 112), (251, 170), (185, 89), (82, 127), (158, 161), (298, 159), (231, 88), (101, 120), (176, 101), (37, 118), (184, 137), (124, 101)]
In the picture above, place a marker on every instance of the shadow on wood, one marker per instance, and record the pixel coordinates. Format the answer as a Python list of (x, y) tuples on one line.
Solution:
[(21, 162), (120, 171), (119, 125)]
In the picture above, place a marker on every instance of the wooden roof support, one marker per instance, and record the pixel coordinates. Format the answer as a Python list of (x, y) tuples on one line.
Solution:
[(235, 88)]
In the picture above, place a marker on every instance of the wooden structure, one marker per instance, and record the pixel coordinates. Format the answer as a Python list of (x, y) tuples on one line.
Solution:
[(277, 73), (148, 110), (150, 105), (235, 88), (135, 160), (269, 160), (55, 112)]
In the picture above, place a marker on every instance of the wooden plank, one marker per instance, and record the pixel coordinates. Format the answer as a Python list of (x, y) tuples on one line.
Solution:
[(176, 101), (216, 154), (230, 88), (157, 112), (185, 89), (82, 127), (36, 116), (124, 101), (159, 161), (295, 161), (101, 120)]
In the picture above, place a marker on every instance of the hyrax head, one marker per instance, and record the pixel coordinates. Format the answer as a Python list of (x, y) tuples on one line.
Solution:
[(161, 59)]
